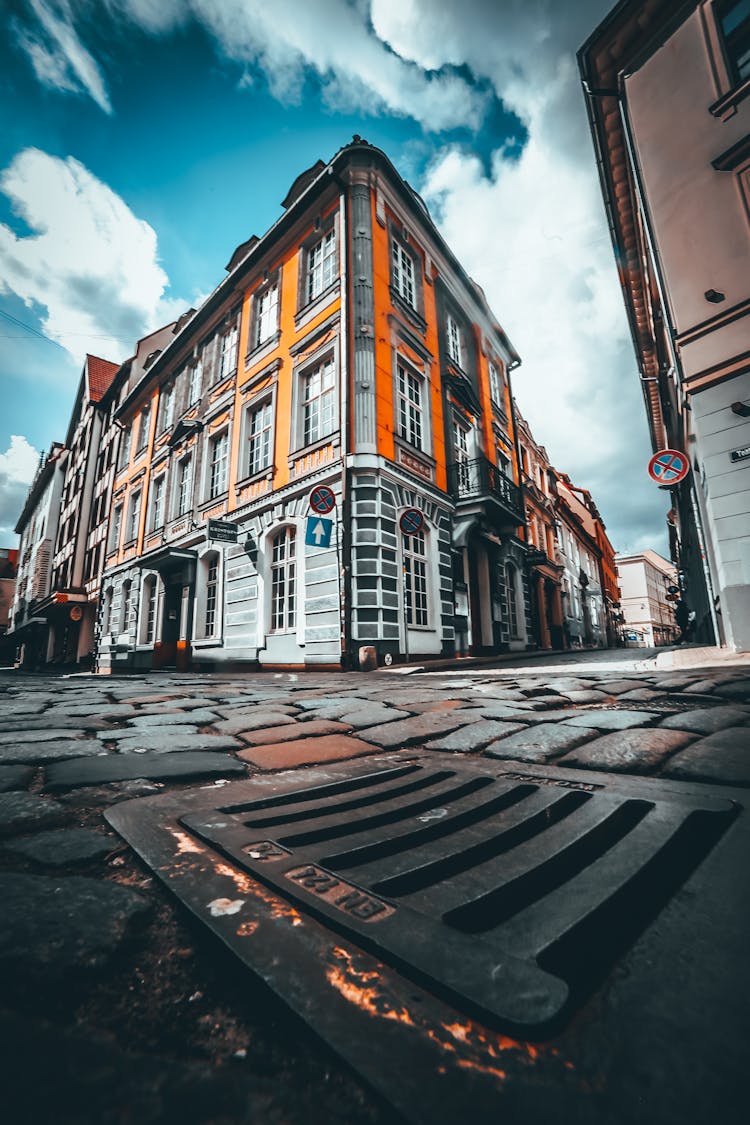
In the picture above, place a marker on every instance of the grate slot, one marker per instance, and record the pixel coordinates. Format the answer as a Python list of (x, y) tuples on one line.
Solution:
[(370, 855), (321, 792), (501, 903), (529, 824), (334, 828), (424, 781)]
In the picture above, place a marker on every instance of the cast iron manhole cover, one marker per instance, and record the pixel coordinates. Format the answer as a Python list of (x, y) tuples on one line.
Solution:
[(437, 893)]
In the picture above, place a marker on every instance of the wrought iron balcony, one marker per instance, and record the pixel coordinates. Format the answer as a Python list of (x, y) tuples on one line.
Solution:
[(479, 479)]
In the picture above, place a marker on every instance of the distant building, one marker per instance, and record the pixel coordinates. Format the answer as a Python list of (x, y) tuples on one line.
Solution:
[(37, 526), (71, 607), (668, 90), (645, 582), (8, 569), (582, 544)]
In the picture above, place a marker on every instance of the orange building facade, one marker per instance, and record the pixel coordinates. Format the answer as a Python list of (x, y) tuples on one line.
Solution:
[(346, 350)]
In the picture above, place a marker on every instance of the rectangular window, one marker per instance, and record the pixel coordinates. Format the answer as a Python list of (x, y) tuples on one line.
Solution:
[(409, 406), (415, 579), (283, 581), (157, 502), (403, 274), (229, 352), (196, 383), (134, 516), (114, 535), (150, 611), (266, 314), (321, 265), (496, 390), (462, 450), (734, 19), (125, 443), (184, 486), (212, 587), (453, 334), (218, 464), (260, 425), (144, 427), (167, 408), (318, 405)]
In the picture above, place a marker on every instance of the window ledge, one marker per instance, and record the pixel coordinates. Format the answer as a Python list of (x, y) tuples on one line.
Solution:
[(262, 474), (726, 106), (214, 500), (261, 348), (329, 439), (208, 642), (306, 312), (408, 310)]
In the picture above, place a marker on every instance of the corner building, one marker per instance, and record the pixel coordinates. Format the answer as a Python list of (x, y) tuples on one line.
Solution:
[(346, 348)]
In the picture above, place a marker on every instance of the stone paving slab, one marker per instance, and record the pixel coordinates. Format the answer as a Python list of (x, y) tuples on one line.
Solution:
[(539, 743), (63, 847), (39, 753), (90, 796), (252, 720), (723, 757), (419, 728), (25, 812), (129, 767), (619, 687), (739, 689), (611, 720), (639, 751), (306, 752), (15, 777), (308, 729), (640, 695), (372, 715), (585, 695), (46, 734), (112, 711), (199, 717), (165, 741), (708, 720), (474, 736), (65, 723), (53, 927)]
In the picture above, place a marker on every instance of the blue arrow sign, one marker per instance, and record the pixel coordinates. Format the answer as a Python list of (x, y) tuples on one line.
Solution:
[(318, 532)]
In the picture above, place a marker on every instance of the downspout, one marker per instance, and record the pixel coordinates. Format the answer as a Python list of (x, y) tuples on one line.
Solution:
[(512, 366), (344, 520)]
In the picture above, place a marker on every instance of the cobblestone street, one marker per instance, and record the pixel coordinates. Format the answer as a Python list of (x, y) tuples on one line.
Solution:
[(98, 960)]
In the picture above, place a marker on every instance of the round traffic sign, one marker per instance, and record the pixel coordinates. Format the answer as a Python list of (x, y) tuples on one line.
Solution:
[(411, 521), (668, 466), (322, 500)]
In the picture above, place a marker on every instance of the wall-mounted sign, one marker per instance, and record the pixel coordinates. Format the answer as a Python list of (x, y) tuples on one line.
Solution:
[(76, 612), (318, 532), (322, 500), (740, 454), (411, 521), (222, 531), (668, 466)]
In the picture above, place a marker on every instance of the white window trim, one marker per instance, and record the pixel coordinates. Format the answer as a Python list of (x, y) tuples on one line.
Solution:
[(155, 482), (297, 445), (143, 612), (256, 342), (177, 513), (195, 379), (211, 439), (266, 398), (327, 229), (199, 639), (400, 360), (397, 282), (454, 340), (433, 590)]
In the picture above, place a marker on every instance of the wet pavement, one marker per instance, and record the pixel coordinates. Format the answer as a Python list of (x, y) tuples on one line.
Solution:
[(83, 916)]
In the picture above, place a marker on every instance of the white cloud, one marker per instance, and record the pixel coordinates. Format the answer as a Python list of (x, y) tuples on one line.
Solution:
[(18, 464), (532, 232), (57, 54), (89, 263)]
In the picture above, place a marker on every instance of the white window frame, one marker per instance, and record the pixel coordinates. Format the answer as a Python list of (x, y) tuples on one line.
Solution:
[(463, 451), (411, 418), (123, 459), (149, 624), (322, 273), (167, 407), (158, 495), (134, 515), (496, 385), (195, 385), (229, 346), (144, 426), (454, 340), (126, 591), (185, 469), (289, 563), (302, 379), (416, 574), (404, 273), (116, 529), (267, 304), (217, 482), (266, 434), (201, 634)]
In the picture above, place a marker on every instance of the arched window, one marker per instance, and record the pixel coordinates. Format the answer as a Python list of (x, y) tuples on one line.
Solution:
[(283, 581), (415, 579), (511, 581), (125, 606)]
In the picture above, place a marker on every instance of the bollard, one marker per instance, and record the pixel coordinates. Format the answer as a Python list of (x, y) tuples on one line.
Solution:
[(368, 658)]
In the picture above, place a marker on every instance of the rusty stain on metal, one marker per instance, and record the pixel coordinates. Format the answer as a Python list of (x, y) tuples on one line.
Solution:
[(186, 844), (246, 929), (248, 886)]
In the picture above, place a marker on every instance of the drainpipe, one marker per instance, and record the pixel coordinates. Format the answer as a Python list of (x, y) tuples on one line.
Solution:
[(521, 491), (342, 537)]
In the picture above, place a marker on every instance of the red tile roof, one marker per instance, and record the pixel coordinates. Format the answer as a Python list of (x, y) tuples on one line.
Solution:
[(100, 375)]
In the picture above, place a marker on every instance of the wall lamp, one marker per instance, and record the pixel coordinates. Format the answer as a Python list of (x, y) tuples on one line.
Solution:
[(714, 296), (741, 408)]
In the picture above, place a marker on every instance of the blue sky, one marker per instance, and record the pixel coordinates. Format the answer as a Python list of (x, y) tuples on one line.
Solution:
[(142, 140)]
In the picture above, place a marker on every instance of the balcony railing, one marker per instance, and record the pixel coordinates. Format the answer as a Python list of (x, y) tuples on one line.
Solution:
[(470, 480)]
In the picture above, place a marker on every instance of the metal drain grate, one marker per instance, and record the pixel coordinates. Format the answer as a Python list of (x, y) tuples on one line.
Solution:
[(509, 895)]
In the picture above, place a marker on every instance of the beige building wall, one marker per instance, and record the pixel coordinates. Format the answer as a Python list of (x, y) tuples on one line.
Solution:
[(644, 582), (690, 126)]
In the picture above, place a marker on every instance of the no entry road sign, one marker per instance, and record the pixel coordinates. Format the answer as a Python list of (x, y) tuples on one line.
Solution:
[(322, 500), (411, 521), (318, 532), (668, 466)]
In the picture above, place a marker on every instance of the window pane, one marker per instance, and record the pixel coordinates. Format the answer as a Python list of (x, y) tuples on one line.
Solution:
[(415, 579), (318, 405), (410, 407), (219, 464), (267, 314), (283, 581), (403, 274)]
